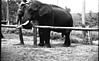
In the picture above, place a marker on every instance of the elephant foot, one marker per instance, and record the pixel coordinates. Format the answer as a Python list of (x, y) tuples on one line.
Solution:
[(41, 44), (22, 43), (66, 45), (48, 45)]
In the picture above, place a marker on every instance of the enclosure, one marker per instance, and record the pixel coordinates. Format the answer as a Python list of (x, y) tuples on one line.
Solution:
[(79, 50)]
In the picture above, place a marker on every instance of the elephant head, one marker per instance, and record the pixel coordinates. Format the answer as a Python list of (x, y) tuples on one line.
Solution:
[(23, 8), (36, 10)]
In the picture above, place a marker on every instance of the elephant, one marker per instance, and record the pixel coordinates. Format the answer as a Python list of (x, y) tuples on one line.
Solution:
[(49, 15), (20, 14)]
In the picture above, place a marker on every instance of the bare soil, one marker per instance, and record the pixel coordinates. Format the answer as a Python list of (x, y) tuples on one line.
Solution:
[(10, 51)]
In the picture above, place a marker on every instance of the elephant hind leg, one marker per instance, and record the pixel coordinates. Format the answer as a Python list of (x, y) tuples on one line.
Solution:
[(67, 42), (62, 35)]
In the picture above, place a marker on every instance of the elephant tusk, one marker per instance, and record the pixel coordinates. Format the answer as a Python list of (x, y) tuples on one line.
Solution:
[(26, 23), (22, 24)]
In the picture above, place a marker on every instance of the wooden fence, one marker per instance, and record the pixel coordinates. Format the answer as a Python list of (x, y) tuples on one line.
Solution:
[(51, 27)]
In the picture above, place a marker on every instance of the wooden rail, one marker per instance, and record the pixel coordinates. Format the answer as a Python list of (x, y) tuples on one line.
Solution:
[(9, 26), (52, 27), (72, 28)]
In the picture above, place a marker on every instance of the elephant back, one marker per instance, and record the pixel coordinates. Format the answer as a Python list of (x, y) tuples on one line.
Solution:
[(54, 7)]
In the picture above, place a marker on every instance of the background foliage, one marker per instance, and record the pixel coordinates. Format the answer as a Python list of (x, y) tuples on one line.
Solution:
[(91, 18), (13, 7)]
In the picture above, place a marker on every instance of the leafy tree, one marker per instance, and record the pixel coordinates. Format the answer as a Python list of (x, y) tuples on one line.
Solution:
[(91, 19), (80, 18), (13, 6), (12, 10), (3, 9)]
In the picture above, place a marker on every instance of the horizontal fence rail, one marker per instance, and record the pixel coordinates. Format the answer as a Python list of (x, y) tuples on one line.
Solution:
[(52, 27), (9, 26), (71, 28)]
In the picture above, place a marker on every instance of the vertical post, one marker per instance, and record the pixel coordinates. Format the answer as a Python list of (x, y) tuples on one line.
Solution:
[(20, 30), (83, 13), (98, 8), (83, 19), (7, 17), (20, 34), (34, 33), (35, 36), (98, 5), (88, 36), (89, 39)]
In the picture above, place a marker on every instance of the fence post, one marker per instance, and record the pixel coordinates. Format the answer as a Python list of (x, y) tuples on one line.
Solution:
[(7, 18), (88, 36), (35, 36), (89, 39), (83, 20), (20, 34), (34, 33)]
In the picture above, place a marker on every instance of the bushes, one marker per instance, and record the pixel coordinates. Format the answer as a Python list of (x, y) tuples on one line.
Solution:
[(55, 35), (77, 36), (94, 35), (16, 31)]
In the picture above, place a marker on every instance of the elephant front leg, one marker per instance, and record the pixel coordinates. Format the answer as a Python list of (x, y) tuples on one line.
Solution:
[(44, 37), (47, 39), (41, 35)]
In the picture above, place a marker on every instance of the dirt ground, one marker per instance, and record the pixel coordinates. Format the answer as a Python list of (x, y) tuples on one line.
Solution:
[(12, 52)]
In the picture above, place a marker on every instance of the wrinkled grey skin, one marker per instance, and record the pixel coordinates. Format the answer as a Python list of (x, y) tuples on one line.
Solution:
[(50, 15)]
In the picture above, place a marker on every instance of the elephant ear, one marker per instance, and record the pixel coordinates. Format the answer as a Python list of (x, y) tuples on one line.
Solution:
[(44, 10)]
